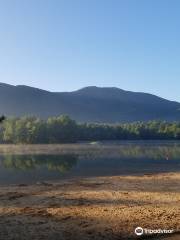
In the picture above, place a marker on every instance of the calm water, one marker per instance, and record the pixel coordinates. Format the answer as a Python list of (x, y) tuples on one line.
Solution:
[(85, 160)]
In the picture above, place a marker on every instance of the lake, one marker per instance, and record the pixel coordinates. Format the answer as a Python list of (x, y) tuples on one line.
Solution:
[(28, 164)]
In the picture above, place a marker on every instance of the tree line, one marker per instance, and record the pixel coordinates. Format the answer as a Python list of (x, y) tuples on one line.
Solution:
[(63, 129)]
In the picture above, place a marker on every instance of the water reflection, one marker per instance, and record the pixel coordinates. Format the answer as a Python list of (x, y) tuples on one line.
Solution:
[(156, 152), (84, 160), (60, 163)]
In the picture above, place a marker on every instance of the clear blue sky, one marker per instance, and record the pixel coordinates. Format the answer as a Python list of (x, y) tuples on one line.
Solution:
[(63, 45)]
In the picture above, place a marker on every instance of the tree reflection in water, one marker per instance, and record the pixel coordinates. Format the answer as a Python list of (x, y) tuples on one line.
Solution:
[(106, 156), (61, 163)]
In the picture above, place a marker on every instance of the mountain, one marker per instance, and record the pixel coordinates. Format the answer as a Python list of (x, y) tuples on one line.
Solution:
[(91, 104)]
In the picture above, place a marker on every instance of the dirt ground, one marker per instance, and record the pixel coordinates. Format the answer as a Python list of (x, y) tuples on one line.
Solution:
[(96, 208)]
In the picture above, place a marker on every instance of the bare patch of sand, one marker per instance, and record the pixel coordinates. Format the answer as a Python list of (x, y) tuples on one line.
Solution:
[(96, 208)]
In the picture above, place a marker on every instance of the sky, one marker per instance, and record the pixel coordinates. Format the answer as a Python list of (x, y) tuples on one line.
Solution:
[(64, 45)]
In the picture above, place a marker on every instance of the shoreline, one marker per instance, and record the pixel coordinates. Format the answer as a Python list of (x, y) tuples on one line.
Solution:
[(90, 208)]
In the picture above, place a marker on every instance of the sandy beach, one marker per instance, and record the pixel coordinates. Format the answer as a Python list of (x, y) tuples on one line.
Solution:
[(91, 208)]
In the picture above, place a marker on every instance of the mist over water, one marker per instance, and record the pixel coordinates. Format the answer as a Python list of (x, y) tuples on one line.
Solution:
[(89, 160)]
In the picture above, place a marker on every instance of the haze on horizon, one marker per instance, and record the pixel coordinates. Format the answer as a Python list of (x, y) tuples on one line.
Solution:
[(66, 45)]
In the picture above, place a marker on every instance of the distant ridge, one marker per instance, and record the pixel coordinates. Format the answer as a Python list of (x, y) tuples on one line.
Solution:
[(89, 104)]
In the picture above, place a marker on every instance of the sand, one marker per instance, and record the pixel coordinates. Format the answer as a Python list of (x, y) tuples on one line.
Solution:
[(95, 208)]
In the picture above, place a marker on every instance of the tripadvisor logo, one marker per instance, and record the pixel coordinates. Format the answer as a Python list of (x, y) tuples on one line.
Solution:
[(139, 231)]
